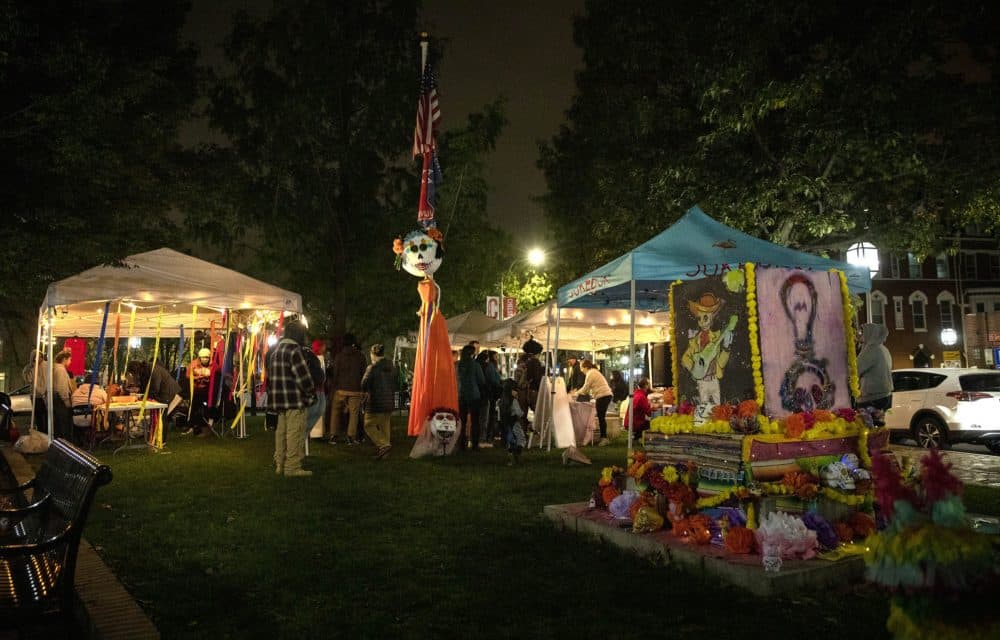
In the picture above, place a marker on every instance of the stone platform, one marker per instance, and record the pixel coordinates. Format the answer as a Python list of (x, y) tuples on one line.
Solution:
[(743, 571)]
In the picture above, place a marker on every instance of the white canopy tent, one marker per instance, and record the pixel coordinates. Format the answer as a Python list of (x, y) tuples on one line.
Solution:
[(579, 329), (166, 288)]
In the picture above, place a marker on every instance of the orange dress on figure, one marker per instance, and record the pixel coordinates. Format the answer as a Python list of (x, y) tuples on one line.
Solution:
[(434, 382)]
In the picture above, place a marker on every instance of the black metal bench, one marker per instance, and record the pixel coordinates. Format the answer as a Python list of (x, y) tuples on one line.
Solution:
[(41, 523)]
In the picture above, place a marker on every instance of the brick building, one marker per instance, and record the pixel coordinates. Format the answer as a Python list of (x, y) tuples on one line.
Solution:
[(916, 300)]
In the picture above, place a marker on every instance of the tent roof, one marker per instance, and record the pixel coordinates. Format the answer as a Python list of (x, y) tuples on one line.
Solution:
[(157, 279), (694, 247), (469, 326), (579, 329)]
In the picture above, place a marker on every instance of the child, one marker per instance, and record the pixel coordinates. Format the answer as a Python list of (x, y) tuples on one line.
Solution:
[(510, 424)]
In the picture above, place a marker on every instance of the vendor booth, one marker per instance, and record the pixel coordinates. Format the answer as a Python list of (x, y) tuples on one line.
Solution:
[(165, 294)]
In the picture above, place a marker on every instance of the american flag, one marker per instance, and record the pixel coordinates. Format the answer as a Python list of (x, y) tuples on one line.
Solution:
[(428, 113)]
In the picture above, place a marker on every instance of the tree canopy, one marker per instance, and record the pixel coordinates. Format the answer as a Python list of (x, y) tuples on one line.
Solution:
[(808, 124), (319, 108), (93, 94)]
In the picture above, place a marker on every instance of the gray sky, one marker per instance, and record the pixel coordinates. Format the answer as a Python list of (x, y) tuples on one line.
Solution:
[(520, 49)]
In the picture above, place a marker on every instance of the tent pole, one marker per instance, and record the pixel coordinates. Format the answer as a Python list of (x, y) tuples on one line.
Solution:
[(631, 378), (48, 391), (34, 368), (552, 374)]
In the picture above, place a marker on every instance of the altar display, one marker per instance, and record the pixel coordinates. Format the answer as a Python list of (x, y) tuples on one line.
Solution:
[(762, 437)]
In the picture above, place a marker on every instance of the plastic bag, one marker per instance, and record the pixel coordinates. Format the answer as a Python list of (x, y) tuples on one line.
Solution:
[(34, 442)]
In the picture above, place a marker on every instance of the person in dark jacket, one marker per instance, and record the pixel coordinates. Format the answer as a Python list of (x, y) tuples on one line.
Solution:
[(345, 380), (470, 381), (488, 396), (379, 386)]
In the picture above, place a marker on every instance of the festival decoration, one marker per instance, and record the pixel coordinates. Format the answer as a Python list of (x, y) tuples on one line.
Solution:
[(944, 576), (420, 253), (439, 437)]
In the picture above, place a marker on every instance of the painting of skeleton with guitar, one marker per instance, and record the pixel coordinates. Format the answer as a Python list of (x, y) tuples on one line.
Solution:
[(713, 347)]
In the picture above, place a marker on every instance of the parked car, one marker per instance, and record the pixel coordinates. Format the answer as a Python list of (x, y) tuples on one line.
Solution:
[(941, 407)]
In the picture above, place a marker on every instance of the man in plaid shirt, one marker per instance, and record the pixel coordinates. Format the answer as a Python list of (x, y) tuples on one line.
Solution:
[(290, 389)]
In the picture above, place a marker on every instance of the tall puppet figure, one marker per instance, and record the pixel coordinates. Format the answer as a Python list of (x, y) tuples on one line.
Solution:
[(434, 382), (435, 388)]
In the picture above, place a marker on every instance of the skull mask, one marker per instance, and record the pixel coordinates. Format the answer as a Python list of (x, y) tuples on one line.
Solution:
[(422, 254), (443, 425), (837, 476)]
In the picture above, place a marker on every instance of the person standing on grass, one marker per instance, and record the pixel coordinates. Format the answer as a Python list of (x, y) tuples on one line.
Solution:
[(379, 386), (290, 390), (596, 386), (470, 381), (488, 395), (345, 380)]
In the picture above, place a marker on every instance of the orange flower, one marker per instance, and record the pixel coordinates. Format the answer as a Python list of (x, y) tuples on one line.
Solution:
[(609, 493), (668, 396), (795, 425), (844, 531), (397, 246), (722, 412), (740, 540), (747, 409), (862, 523), (823, 416), (435, 233)]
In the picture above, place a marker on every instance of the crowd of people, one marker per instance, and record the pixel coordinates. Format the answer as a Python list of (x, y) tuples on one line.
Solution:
[(348, 399)]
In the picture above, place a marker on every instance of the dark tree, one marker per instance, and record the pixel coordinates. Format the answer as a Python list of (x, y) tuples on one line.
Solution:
[(320, 109), (92, 97), (808, 124)]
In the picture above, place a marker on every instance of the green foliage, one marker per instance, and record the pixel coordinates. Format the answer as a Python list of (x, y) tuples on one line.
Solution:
[(807, 124), (534, 289), (93, 97)]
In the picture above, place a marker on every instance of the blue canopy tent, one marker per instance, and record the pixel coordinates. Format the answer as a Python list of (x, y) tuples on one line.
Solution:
[(694, 247)]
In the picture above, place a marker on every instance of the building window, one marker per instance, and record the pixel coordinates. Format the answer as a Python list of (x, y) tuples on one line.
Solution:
[(897, 310), (877, 301), (969, 271), (913, 266), (941, 264), (918, 307), (893, 265), (946, 306), (994, 266)]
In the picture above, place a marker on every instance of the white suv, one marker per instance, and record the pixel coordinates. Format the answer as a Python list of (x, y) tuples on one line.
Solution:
[(938, 407)]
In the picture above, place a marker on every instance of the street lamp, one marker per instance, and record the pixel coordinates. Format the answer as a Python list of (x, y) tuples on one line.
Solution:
[(535, 257), (865, 254)]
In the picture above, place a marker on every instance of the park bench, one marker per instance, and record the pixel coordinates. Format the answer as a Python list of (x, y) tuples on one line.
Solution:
[(41, 522)]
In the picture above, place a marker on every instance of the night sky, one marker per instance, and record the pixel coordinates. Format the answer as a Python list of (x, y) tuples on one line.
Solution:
[(520, 49)]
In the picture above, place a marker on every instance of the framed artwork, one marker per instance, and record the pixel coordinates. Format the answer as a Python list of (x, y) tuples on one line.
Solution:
[(803, 346), (712, 357)]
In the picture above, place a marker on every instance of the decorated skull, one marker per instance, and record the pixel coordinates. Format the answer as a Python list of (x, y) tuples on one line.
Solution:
[(422, 254), (443, 424), (837, 476)]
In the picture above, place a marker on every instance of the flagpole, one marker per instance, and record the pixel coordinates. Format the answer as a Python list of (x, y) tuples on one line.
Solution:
[(424, 46)]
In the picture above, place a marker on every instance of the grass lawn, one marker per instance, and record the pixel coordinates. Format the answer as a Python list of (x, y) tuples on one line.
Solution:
[(214, 545)]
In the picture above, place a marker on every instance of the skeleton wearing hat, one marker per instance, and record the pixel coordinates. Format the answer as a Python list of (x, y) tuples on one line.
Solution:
[(707, 352)]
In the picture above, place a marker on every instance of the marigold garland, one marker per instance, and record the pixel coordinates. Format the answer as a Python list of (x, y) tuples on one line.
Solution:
[(675, 357), (755, 357), (852, 358)]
